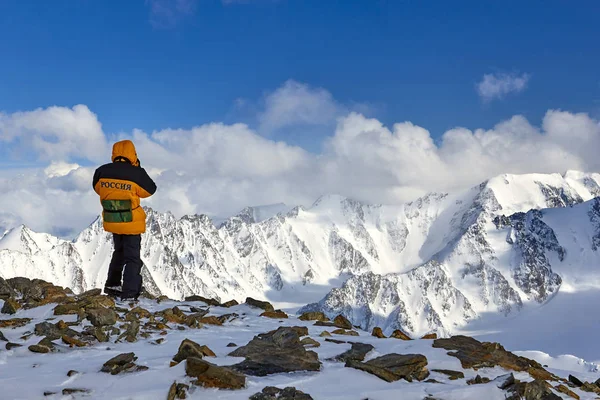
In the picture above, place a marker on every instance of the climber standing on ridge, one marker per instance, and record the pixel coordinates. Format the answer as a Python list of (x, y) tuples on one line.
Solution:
[(120, 185)]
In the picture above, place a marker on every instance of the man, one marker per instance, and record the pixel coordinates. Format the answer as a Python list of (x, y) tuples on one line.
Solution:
[(120, 186)]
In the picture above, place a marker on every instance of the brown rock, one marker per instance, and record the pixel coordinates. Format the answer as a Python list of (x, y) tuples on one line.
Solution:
[(67, 391), (73, 342), (89, 293), (37, 348), (452, 375), (325, 334), (378, 333), (189, 348), (212, 376), (122, 363), (210, 302), (358, 352), (10, 306), (478, 380), (289, 393), (211, 320), (14, 323), (590, 387), (345, 332), (430, 336), (227, 317), (313, 316), (137, 313), (230, 303), (10, 346), (393, 367), (342, 322), (398, 334), (100, 316), (177, 391), (309, 342), (567, 391), (278, 314), (265, 305)]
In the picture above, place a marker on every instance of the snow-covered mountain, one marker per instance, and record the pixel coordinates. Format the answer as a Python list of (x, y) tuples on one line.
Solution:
[(432, 264)]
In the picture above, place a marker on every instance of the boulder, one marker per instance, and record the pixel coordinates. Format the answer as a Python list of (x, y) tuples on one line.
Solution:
[(122, 363), (430, 336), (6, 292), (210, 302), (310, 343), (132, 329), (100, 316), (232, 345), (137, 313), (474, 354), (189, 348), (227, 317), (567, 391), (378, 333), (212, 376), (274, 393), (275, 352), (325, 334), (230, 303), (505, 381), (398, 334), (345, 332), (478, 380), (10, 306), (211, 320), (575, 381), (393, 367), (313, 316), (178, 391), (54, 331), (14, 322), (72, 373), (89, 293), (277, 314), (10, 346), (71, 341), (358, 352), (264, 305), (452, 375)]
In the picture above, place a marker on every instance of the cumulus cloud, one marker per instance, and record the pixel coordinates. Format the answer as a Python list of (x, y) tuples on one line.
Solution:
[(168, 13), (497, 86), (218, 169)]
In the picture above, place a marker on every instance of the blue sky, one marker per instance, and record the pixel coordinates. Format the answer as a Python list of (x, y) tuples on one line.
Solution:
[(397, 60)]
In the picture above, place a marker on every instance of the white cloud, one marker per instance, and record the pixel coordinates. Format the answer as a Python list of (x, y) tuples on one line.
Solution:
[(218, 169), (497, 86), (168, 13)]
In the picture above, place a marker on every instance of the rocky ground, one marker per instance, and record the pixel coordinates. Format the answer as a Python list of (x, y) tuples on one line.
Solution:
[(57, 345)]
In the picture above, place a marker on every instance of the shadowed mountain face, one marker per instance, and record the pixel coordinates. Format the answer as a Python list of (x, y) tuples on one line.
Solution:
[(429, 265)]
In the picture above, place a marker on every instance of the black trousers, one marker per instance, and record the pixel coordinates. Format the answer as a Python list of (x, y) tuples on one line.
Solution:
[(126, 256)]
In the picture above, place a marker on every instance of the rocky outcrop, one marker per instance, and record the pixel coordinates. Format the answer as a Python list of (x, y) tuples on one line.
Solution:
[(189, 348), (393, 367), (122, 363), (275, 352), (212, 376), (358, 352)]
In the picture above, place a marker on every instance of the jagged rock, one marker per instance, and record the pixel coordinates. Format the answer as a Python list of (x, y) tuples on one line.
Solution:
[(345, 332), (54, 331), (2, 337), (100, 335), (478, 380), (535, 390), (189, 348), (504, 381), (313, 316), (393, 367), (398, 334), (211, 320), (475, 354), (452, 375), (274, 314), (274, 393), (89, 293), (6, 291), (590, 387), (227, 317), (37, 292), (101, 316), (67, 309), (10, 346), (212, 376), (378, 333), (10, 306), (567, 391), (575, 381), (72, 372), (67, 391), (265, 305), (178, 391), (300, 330), (137, 313), (325, 334), (232, 345), (274, 352), (210, 302), (14, 322), (132, 329), (339, 322), (73, 342), (230, 303), (358, 352), (309, 343), (430, 336), (335, 341), (122, 363)]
